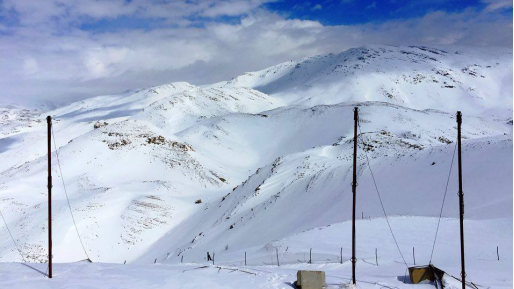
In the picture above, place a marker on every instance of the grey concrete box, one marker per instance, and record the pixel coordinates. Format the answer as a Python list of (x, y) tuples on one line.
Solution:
[(310, 279)]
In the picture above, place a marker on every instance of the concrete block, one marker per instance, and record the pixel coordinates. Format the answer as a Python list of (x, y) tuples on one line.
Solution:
[(310, 279)]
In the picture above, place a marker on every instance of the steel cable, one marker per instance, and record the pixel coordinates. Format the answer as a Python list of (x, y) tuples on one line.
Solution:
[(380, 198), (15, 244), (442, 206), (66, 193)]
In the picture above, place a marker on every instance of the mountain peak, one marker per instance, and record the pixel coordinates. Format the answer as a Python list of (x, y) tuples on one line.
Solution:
[(419, 77)]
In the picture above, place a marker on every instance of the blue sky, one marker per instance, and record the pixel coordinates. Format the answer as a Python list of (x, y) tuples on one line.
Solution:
[(351, 12), (59, 51), (327, 12)]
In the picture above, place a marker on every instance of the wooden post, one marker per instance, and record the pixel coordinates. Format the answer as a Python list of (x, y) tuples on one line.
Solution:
[(213, 254), (354, 188), (413, 256), (278, 262), (155, 261), (362, 218), (376, 256), (310, 256), (497, 253), (182, 259), (461, 200), (245, 258), (49, 185), (341, 255)]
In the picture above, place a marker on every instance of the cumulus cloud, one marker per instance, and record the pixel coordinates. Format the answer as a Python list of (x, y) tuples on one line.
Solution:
[(50, 58), (65, 12)]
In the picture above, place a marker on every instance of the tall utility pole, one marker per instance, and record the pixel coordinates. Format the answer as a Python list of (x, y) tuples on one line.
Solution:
[(49, 125), (461, 201), (354, 188)]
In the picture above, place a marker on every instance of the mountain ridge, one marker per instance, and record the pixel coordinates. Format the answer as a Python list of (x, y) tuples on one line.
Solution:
[(136, 163), (461, 73)]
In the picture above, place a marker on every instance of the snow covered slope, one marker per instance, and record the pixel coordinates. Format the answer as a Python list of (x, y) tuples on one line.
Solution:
[(477, 81), (411, 170), (119, 159), (15, 120), (178, 170)]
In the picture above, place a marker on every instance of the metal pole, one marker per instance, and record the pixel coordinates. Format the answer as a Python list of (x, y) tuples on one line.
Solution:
[(461, 200), (49, 126), (354, 188)]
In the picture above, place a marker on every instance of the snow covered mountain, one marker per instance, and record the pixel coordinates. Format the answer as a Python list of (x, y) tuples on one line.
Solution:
[(15, 119), (268, 154), (478, 81), (410, 152)]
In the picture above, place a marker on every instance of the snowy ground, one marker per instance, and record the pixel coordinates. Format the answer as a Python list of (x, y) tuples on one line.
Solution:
[(262, 271), (186, 276), (162, 276)]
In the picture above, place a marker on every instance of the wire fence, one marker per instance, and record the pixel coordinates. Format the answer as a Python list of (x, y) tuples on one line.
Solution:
[(273, 257), (283, 258)]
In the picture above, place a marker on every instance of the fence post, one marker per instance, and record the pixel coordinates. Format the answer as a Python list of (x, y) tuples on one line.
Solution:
[(245, 258), (341, 255), (310, 256), (376, 256), (498, 253), (278, 262), (155, 261), (362, 215), (213, 254), (182, 259), (413, 256)]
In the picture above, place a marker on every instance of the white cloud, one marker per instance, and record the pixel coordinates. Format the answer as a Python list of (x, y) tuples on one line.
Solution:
[(104, 62), (40, 63), (30, 66), (232, 7), (317, 7), (493, 5), (64, 12), (102, 9)]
